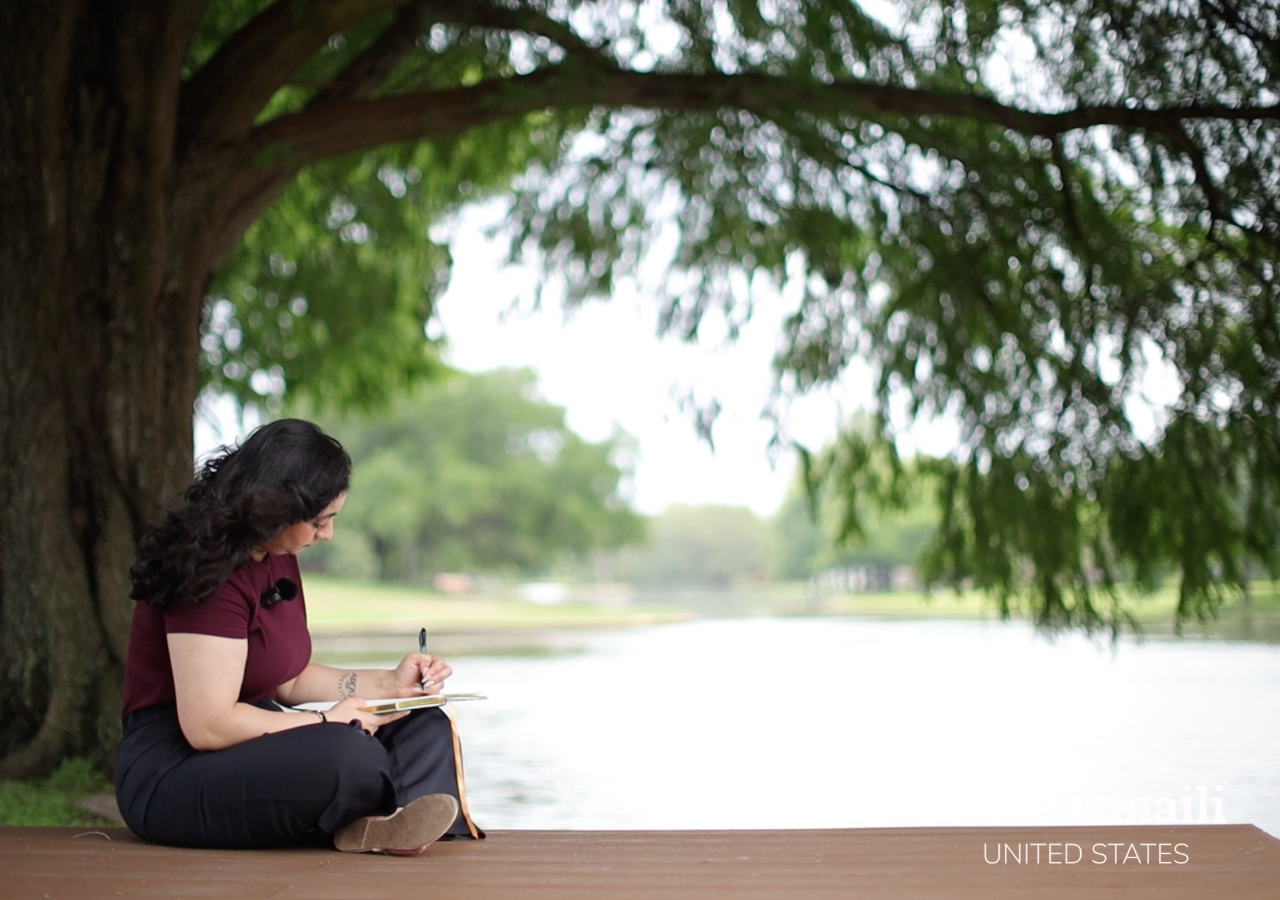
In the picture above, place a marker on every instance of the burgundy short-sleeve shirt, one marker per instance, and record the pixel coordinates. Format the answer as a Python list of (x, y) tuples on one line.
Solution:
[(279, 644)]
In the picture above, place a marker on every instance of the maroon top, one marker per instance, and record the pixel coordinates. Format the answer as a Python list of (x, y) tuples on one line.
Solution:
[(279, 644)]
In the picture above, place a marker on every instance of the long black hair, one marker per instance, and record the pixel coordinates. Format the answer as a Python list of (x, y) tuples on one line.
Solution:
[(285, 472)]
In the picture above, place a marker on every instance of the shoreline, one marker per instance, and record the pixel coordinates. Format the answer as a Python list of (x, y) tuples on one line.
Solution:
[(390, 615)]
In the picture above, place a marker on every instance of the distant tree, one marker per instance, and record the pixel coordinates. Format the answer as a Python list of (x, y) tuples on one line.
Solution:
[(477, 472), (700, 545), (814, 530), (802, 545)]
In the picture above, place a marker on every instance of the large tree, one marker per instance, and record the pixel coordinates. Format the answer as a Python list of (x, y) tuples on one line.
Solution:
[(1007, 243)]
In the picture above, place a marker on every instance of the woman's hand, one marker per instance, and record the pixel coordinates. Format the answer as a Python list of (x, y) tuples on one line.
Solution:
[(348, 711), (420, 673)]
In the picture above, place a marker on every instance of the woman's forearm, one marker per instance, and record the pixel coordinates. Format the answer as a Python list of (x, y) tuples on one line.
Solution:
[(217, 729), (317, 683)]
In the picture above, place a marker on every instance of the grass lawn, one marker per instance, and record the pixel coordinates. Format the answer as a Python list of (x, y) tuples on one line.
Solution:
[(1258, 619), (337, 606), (944, 604), (51, 801)]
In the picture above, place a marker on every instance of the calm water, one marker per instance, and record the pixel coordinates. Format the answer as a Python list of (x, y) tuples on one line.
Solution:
[(804, 723)]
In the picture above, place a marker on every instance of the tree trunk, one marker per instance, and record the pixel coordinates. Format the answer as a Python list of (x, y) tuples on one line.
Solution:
[(100, 295)]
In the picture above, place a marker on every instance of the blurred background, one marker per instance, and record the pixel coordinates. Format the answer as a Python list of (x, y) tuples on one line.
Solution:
[(670, 636)]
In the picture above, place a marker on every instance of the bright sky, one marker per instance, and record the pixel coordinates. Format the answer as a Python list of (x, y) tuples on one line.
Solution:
[(604, 364)]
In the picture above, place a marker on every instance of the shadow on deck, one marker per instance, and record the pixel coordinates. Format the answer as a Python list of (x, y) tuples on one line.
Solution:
[(1103, 862)]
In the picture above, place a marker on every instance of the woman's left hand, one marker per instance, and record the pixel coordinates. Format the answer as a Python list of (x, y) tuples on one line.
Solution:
[(421, 673)]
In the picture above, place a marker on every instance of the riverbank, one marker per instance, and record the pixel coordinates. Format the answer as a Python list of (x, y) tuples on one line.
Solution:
[(501, 620)]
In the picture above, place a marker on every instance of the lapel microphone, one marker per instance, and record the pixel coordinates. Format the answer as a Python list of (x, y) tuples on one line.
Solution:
[(284, 589)]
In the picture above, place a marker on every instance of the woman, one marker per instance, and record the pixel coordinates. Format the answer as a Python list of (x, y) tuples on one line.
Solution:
[(219, 647)]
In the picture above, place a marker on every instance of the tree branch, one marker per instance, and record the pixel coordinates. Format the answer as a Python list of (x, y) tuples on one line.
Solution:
[(1069, 211), (1213, 199), (343, 127), (1226, 12), (501, 18), (376, 63), (276, 150), (222, 99)]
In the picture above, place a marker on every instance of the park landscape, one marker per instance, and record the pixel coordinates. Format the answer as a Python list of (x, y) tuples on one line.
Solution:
[(1051, 225)]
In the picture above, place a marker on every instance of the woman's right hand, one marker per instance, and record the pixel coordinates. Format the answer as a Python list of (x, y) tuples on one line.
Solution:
[(347, 711)]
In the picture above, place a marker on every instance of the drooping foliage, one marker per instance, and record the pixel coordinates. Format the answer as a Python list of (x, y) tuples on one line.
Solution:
[(1053, 221), (1087, 284)]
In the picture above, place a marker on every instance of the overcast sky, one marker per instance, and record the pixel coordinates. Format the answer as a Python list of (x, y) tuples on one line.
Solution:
[(605, 365)]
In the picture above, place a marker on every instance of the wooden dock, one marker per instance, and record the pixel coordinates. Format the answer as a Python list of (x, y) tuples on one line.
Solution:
[(1100, 863)]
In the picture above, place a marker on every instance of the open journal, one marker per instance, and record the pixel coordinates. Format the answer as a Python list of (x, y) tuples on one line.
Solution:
[(391, 704), (395, 704)]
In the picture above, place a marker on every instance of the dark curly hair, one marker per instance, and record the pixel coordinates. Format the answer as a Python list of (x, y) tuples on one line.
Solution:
[(285, 472)]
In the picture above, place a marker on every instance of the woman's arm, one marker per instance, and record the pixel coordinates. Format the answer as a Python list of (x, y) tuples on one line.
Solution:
[(207, 674), (417, 674)]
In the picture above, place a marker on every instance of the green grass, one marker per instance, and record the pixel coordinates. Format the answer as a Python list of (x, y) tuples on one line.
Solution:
[(51, 801), (1156, 613), (915, 604), (335, 605), (339, 607), (1264, 596)]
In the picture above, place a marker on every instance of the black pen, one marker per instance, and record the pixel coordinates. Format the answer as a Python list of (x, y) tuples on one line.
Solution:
[(422, 648)]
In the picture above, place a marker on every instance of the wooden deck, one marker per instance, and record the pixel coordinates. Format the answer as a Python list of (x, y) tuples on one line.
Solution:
[(1232, 861)]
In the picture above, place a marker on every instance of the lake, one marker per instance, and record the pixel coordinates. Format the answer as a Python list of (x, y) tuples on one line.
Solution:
[(850, 723)]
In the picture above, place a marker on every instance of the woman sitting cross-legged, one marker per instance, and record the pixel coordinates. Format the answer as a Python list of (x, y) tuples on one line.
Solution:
[(219, 645)]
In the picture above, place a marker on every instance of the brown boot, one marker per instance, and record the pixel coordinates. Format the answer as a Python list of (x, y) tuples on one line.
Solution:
[(406, 832)]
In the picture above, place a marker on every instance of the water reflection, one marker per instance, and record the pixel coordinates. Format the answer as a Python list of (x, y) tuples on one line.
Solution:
[(804, 723)]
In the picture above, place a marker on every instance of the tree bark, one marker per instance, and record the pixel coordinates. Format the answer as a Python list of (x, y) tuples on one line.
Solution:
[(99, 320)]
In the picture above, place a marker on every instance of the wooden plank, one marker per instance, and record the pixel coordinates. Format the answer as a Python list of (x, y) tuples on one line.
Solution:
[(1101, 863)]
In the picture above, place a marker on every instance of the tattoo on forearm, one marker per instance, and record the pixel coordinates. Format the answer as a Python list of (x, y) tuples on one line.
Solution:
[(347, 685)]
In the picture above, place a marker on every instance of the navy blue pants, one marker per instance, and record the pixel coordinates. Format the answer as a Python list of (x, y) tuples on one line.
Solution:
[(288, 788)]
